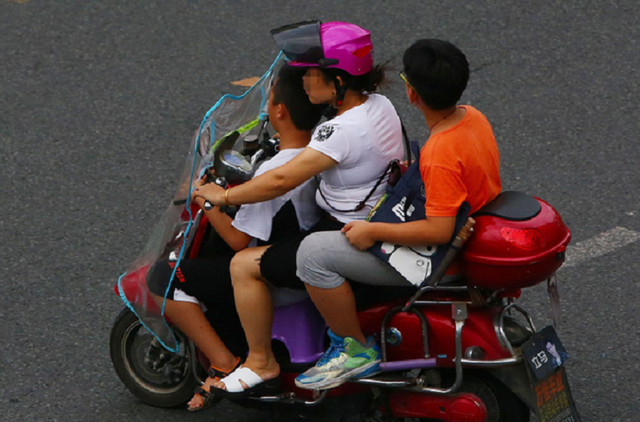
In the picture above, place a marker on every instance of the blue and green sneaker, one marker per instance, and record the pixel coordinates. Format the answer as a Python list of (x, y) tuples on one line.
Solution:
[(346, 358)]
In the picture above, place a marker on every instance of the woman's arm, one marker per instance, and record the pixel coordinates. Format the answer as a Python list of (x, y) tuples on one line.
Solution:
[(432, 231), (271, 184)]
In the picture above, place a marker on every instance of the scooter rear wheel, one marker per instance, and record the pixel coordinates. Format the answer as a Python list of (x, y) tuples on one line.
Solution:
[(169, 385), (501, 403)]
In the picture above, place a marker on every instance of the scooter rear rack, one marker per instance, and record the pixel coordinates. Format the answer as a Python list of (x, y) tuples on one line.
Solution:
[(459, 314)]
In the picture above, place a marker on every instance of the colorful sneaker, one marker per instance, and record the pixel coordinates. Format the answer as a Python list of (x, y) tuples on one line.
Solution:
[(346, 358)]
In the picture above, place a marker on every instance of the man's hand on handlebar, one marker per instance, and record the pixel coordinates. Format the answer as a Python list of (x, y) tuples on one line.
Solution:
[(210, 192)]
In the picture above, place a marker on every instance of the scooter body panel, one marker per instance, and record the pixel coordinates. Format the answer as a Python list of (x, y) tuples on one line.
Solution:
[(478, 331), (464, 407)]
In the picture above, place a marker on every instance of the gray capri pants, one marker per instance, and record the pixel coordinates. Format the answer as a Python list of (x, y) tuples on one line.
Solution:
[(325, 259)]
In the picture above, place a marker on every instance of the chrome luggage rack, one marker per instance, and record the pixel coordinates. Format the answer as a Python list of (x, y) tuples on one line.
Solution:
[(459, 313)]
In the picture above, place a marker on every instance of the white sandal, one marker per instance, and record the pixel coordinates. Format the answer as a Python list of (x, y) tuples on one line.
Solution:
[(256, 385)]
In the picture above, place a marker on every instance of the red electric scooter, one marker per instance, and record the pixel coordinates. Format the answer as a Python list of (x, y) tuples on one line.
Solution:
[(464, 351)]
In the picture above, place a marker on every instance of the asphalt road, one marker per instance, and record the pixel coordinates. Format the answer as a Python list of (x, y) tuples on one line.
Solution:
[(98, 102)]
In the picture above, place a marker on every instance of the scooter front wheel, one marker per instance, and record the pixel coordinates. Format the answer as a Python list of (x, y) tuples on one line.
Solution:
[(154, 375)]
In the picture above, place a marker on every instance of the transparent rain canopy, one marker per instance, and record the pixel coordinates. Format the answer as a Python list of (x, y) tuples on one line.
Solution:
[(224, 126), (300, 42)]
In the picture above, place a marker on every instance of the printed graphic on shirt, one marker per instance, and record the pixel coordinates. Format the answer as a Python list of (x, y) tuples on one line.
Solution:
[(324, 133)]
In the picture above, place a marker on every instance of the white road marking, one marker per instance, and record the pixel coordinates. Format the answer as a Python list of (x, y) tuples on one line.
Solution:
[(599, 245)]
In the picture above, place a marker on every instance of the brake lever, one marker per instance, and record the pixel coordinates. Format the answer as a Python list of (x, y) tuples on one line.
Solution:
[(209, 177)]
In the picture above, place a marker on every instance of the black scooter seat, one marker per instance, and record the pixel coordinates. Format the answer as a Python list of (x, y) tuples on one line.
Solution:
[(512, 206)]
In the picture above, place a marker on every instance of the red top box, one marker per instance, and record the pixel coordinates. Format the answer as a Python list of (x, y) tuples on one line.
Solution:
[(518, 241)]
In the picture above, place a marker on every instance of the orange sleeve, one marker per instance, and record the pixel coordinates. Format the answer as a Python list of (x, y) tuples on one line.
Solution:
[(445, 191)]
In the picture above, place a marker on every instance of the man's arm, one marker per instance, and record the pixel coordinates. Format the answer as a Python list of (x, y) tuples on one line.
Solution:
[(221, 222), (273, 183), (270, 185), (432, 231)]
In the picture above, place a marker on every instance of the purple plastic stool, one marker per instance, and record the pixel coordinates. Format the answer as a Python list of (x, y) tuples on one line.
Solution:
[(301, 328)]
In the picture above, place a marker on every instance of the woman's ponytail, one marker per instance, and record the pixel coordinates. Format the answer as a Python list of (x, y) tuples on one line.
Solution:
[(369, 82)]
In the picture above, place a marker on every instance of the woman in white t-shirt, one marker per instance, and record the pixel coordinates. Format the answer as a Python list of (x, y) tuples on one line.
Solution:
[(349, 154)]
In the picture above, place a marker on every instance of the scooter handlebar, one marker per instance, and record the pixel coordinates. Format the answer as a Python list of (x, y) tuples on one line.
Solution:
[(209, 178), (220, 181), (466, 231)]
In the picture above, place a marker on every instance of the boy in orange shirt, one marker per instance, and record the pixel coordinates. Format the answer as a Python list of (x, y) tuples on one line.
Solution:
[(460, 162)]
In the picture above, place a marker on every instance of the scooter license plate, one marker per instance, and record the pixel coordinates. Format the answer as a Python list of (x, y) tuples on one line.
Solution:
[(544, 353), (545, 356)]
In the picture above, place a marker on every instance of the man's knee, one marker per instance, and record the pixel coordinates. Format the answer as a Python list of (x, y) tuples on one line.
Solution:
[(244, 266), (158, 280), (236, 267)]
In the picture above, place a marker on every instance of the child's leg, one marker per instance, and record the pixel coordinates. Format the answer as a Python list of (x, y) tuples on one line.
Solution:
[(190, 319), (324, 260), (198, 278)]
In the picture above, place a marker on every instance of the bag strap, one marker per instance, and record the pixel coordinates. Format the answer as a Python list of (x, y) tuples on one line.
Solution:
[(363, 203), (407, 144)]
